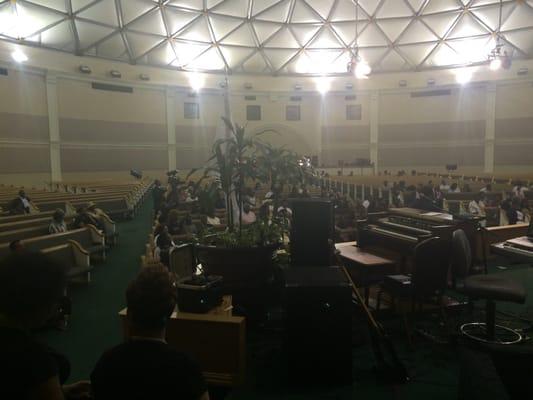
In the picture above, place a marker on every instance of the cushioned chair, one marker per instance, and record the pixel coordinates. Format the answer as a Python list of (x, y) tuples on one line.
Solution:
[(428, 280), (492, 288)]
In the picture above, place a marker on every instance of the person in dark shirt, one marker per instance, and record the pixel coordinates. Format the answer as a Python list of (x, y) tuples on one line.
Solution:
[(145, 367), (21, 204), (158, 195), (31, 285)]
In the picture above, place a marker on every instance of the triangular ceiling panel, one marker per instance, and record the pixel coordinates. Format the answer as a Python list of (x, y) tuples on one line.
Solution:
[(441, 23), (325, 40), (472, 50), (416, 4), (162, 55), (234, 8), (417, 32), (79, 4), (371, 36), (240, 37), (522, 39), (326, 62), (443, 55), (140, 44), (31, 19), (235, 55), (323, 7), (373, 55), (393, 27), (135, 8), (150, 23), (59, 5), (416, 53), (466, 26), (392, 62), (186, 52), (490, 15), (178, 19), (259, 6), (91, 33), (345, 11), (283, 38), (277, 13), (190, 4), (112, 47), (264, 30), (394, 9), (212, 3), (223, 25), (278, 57), (369, 6), (209, 60), (255, 63), (304, 32), (346, 30), (59, 37), (437, 6), (303, 13), (198, 31), (104, 12), (521, 17)]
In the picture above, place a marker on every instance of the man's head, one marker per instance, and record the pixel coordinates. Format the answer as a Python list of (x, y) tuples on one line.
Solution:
[(59, 215), (151, 298), (31, 285), (22, 193), (246, 208)]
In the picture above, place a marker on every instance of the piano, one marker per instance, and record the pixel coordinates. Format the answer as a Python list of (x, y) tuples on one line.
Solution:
[(518, 249), (401, 229)]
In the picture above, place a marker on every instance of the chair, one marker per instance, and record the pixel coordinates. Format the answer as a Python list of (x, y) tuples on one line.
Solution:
[(182, 261), (492, 288), (428, 279)]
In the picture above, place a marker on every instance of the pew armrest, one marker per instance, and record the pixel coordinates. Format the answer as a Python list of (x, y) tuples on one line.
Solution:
[(81, 256), (97, 236)]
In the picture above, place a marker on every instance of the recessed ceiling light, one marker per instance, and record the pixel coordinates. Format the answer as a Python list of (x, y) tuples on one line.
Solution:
[(19, 56), (115, 74), (85, 69)]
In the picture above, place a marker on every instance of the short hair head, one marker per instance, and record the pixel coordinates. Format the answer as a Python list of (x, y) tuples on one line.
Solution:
[(31, 284), (58, 215), (151, 298)]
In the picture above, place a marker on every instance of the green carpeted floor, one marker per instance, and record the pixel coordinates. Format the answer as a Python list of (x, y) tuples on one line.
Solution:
[(95, 327)]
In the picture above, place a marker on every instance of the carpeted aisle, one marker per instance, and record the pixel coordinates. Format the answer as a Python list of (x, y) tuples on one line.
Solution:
[(95, 326)]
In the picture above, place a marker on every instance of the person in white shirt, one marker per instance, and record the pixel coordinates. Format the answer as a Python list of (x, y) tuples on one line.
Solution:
[(454, 188), (212, 219), (58, 225), (284, 209), (444, 187), (487, 188), (248, 216)]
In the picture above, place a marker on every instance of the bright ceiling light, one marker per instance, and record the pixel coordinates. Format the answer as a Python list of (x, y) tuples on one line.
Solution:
[(362, 69), (463, 76), (323, 85), (495, 64), (196, 81), (19, 56)]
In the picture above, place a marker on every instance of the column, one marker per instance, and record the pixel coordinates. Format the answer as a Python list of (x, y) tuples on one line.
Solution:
[(53, 127), (490, 128), (170, 100), (374, 128)]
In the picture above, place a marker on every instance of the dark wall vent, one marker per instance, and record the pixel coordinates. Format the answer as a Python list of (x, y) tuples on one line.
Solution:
[(350, 97), (430, 93), (250, 98), (296, 98), (112, 88), (3, 71)]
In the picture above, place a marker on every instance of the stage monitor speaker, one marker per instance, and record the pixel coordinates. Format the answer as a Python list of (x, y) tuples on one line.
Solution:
[(311, 231), (318, 326)]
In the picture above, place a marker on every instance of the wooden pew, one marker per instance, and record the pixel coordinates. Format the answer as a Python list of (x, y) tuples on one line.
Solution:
[(75, 259)]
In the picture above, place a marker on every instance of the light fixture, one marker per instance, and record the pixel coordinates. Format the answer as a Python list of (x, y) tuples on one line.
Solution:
[(84, 69), (349, 86), (431, 82), (498, 59), (522, 71), (196, 81), (298, 87), (357, 65), (402, 83), (463, 75), (323, 85), (19, 56), (115, 74), (248, 86), (144, 77)]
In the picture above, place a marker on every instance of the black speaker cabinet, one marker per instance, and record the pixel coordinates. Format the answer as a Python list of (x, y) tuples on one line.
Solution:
[(312, 228), (318, 344)]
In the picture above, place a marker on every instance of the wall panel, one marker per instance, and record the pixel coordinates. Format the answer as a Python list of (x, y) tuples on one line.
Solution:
[(514, 101), (32, 159), (93, 131), (515, 128), (346, 134), (24, 127), (331, 156), (430, 156), (513, 154), (112, 159), (23, 93), (430, 132)]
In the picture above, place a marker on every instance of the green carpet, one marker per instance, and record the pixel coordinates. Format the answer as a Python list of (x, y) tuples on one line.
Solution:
[(95, 327)]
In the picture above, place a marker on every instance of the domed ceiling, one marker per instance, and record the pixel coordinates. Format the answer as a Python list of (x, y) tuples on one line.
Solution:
[(275, 37)]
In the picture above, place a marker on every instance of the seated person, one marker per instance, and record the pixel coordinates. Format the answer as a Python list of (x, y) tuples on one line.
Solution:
[(248, 216), (514, 212), (163, 243), (284, 210), (173, 223), (84, 218), (158, 195), (58, 225), (31, 286), (187, 227), (21, 204), (477, 206), (486, 188), (145, 366), (212, 219), (220, 202), (454, 188)]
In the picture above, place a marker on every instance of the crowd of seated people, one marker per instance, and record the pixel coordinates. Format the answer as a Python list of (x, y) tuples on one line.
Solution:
[(144, 366)]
